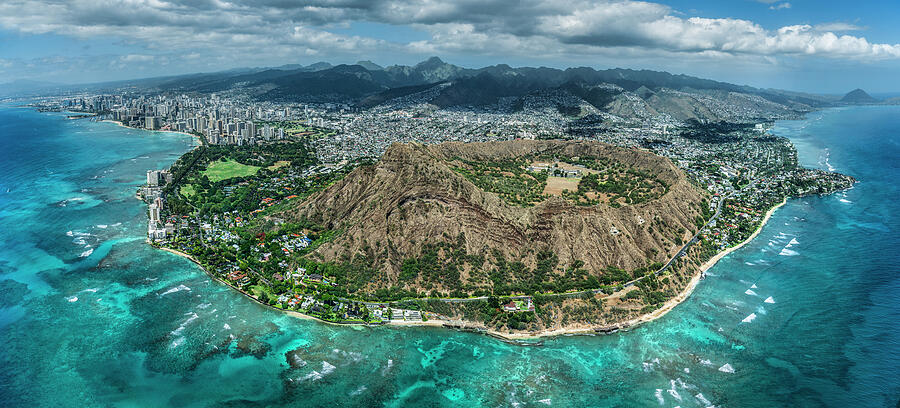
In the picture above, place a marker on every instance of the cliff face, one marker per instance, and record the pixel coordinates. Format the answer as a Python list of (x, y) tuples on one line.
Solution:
[(412, 197)]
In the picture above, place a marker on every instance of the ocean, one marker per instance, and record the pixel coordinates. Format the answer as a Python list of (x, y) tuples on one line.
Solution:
[(804, 316)]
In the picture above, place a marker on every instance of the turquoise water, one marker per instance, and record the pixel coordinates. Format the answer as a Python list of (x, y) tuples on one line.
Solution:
[(91, 316)]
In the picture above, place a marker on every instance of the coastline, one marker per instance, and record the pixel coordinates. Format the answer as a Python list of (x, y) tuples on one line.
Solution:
[(668, 306), (153, 130), (628, 324)]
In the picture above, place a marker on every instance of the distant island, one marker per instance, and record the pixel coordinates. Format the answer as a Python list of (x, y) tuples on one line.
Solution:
[(858, 96), (454, 197)]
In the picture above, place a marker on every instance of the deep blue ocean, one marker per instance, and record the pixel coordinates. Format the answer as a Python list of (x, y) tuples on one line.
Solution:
[(806, 315)]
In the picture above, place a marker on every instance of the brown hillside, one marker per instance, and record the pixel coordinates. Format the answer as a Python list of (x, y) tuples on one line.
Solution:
[(412, 197)]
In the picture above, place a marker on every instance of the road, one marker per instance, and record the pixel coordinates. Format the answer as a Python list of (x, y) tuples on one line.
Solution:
[(665, 267)]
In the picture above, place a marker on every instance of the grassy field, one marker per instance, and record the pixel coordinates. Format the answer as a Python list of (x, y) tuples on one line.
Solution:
[(188, 190), (219, 170), (279, 164)]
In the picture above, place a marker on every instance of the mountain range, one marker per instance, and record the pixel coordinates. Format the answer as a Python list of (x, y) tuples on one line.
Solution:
[(574, 92)]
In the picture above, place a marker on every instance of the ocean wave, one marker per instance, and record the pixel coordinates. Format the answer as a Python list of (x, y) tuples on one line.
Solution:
[(769, 300), (327, 368), (86, 253), (749, 318), (178, 288), (753, 286), (91, 290), (387, 367), (102, 226), (312, 376), (72, 299), (788, 252), (183, 325), (226, 327), (750, 292), (703, 401), (761, 310), (360, 391), (297, 361), (659, 396), (845, 201), (727, 368), (672, 391), (177, 342)]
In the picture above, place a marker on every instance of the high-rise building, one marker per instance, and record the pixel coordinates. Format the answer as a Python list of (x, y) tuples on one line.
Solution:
[(154, 213), (151, 122)]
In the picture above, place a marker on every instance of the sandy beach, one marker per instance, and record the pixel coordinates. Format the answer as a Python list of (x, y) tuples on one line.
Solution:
[(584, 329), (667, 306), (149, 130)]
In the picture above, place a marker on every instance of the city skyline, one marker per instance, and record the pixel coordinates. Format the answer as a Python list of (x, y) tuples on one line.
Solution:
[(824, 47)]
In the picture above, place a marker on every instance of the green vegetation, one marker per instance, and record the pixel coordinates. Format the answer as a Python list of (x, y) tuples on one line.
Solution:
[(216, 179), (602, 181), (507, 178), (228, 168), (619, 183)]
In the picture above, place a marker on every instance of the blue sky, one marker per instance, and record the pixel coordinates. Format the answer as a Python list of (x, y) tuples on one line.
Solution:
[(804, 45)]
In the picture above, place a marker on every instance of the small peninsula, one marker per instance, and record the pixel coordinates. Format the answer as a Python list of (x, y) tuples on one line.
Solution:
[(583, 208), (517, 239)]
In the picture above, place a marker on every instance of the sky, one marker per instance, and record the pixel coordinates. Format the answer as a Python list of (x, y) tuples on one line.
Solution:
[(821, 46)]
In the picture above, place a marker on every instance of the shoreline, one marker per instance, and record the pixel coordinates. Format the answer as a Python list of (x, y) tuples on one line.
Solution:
[(153, 130), (251, 297), (667, 307)]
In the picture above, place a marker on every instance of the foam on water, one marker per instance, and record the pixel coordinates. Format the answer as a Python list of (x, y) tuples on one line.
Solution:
[(703, 401), (358, 391), (86, 253), (178, 288), (672, 391), (183, 325), (749, 318), (727, 368), (695, 336), (788, 252)]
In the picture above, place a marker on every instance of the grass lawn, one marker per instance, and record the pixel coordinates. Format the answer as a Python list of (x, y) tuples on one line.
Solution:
[(219, 170), (188, 190), (279, 164)]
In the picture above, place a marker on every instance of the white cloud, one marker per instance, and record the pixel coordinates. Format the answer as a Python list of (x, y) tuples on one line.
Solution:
[(838, 27), (256, 32), (780, 6), (136, 58)]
